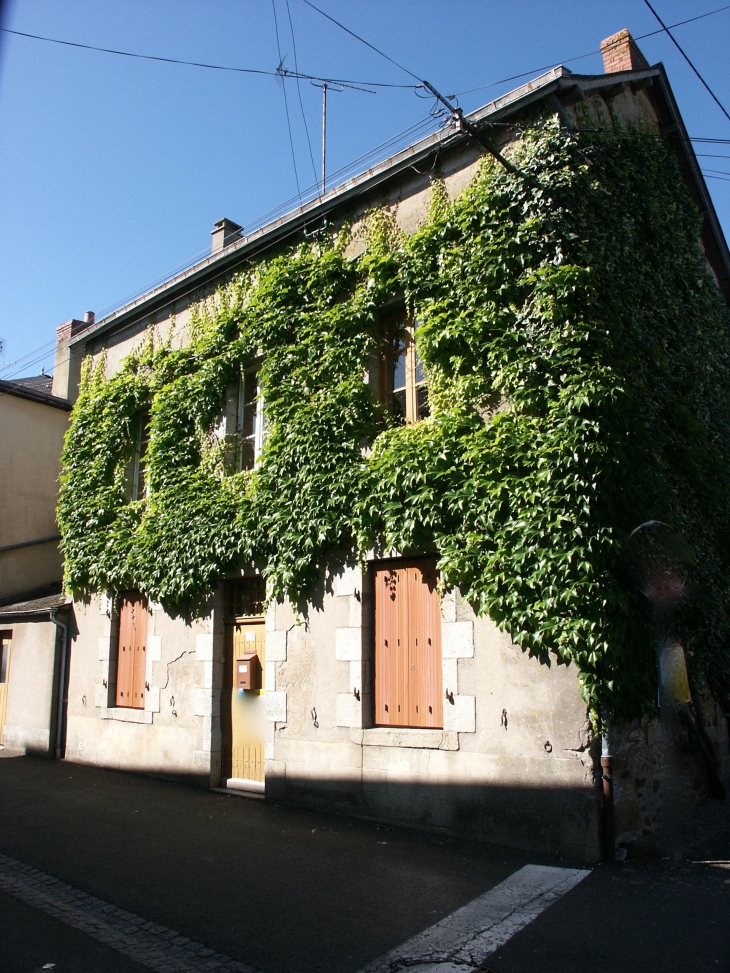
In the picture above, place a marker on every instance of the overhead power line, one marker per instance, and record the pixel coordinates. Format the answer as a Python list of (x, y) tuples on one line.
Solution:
[(673, 39), (299, 90), (580, 57), (286, 100), (363, 41), (202, 64)]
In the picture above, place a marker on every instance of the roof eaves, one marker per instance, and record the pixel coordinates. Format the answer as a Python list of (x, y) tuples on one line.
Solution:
[(273, 232), (23, 392)]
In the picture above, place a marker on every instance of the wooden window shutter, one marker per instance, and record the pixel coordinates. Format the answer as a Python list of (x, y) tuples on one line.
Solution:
[(132, 651), (408, 682)]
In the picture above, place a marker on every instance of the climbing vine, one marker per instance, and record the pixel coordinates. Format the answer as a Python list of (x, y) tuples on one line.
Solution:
[(577, 351)]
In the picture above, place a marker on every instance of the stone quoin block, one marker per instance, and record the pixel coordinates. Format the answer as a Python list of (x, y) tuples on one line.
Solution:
[(348, 644), (348, 710), (461, 715), (276, 705), (457, 640), (204, 648), (349, 582), (276, 646), (154, 648)]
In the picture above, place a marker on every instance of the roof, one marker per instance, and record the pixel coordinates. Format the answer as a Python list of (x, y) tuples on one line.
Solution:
[(35, 395), (559, 83), (39, 602), (39, 383)]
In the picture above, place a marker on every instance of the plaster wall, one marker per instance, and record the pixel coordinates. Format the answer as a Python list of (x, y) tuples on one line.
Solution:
[(30, 716), (177, 733), (30, 464), (512, 764)]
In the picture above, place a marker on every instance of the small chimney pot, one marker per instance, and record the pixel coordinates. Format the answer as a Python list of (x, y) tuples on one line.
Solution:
[(89, 317), (224, 233)]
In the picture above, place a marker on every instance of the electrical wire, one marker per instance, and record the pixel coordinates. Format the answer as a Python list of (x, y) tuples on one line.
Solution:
[(199, 64), (299, 90), (671, 36), (580, 57), (286, 100), (45, 351), (362, 40)]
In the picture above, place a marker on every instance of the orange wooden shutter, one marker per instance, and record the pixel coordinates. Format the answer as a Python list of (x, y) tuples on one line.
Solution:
[(407, 645), (132, 652), (140, 653)]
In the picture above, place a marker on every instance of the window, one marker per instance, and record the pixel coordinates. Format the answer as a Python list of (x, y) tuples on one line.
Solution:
[(245, 597), (403, 389), (407, 644), (6, 639), (132, 651), (249, 425), (136, 474)]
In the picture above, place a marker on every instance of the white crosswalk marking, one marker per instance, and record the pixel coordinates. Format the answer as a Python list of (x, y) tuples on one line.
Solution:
[(463, 941)]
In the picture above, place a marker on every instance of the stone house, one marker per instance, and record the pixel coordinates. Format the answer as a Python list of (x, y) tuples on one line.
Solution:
[(464, 734)]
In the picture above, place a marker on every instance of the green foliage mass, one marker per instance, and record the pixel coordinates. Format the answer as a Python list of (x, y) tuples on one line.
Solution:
[(577, 353)]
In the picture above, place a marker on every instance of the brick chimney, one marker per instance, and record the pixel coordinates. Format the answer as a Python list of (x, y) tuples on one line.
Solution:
[(224, 233), (620, 53), (67, 367)]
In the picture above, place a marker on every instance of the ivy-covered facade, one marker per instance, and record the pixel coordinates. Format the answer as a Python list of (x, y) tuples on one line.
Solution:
[(486, 377)]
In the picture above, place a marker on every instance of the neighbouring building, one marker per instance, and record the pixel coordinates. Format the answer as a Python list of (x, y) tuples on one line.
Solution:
[(375, 692), (33, 422)]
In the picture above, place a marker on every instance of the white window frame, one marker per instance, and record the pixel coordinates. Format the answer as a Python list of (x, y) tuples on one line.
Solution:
[(258, 430)]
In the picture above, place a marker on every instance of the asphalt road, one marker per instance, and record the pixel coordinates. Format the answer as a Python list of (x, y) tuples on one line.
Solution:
[(290, 891)]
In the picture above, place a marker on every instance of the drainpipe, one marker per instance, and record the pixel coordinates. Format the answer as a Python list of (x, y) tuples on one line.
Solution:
[(609, 828), (63, 626)]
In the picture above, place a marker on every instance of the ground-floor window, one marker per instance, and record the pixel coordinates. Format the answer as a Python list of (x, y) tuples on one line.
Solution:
[(407, 644), (132, 650)]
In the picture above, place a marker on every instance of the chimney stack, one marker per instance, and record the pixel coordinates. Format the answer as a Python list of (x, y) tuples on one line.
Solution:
[(67, 367), (620, 53), (224, 233)]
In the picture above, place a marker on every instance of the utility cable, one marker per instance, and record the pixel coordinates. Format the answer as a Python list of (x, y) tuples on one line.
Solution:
[(286, 100), (456, 113), (200, 64), (299, 90), (580, 57), (671, 36), (363, 41)]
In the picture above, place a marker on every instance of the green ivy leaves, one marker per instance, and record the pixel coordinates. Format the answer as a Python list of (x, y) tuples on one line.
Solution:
[(578, 359)]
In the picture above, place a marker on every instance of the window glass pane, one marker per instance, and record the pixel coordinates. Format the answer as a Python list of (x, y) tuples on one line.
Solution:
[(246, 597), (399, 371), (248, 419), (4, 661), (423, 410), (248, 454), (399, 407)]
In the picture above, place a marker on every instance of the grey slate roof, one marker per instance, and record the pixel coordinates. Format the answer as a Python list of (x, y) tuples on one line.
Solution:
[(39, 602), (39, 383)]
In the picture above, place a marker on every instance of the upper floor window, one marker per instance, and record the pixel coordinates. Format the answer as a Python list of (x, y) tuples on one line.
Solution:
[(137, 471), (249, 421), (403, 388)]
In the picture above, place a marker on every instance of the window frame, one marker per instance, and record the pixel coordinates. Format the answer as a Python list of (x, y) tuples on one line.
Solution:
[(395, 320), (257, 437)]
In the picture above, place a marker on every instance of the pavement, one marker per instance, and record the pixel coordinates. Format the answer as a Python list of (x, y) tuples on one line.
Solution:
[(113, 873)]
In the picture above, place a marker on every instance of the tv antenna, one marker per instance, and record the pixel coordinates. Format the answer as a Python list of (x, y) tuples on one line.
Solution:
[(331, 86)]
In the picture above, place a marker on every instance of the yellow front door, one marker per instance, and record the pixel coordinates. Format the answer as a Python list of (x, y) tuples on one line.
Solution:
[(5, 643), (243, 714), (248, 719)]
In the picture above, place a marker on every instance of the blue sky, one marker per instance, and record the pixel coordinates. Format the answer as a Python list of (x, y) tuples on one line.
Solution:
[(113, 170)]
